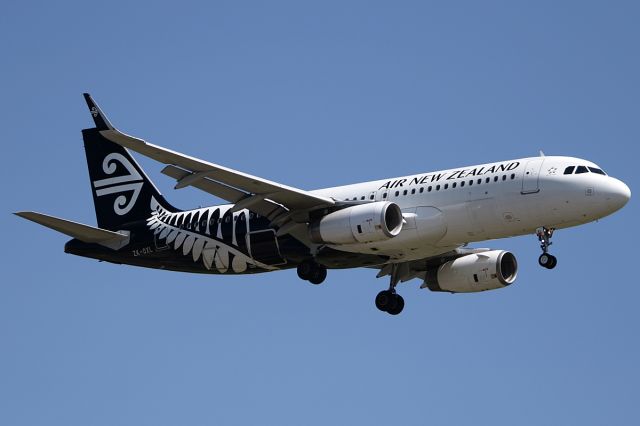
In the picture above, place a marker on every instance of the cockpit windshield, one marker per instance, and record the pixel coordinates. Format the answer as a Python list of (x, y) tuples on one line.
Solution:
[(583, 169)]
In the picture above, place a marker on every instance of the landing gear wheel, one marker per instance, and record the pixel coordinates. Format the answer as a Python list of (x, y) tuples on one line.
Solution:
[(318, 275), (384, 300), (305, 269), (547, 260), (544, 260), (312, 272), (397, 305), (390, 302)]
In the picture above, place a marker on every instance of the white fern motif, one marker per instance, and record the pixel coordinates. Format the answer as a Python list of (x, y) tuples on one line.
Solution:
[(214, 254)]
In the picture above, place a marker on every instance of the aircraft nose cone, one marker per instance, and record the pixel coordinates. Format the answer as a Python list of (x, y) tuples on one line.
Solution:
[(617, 194)]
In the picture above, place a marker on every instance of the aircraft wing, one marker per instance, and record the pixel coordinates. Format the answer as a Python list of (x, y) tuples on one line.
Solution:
[(242, 189), (405, 271)]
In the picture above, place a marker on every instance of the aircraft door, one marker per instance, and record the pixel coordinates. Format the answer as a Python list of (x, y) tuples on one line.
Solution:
[(531, 176)]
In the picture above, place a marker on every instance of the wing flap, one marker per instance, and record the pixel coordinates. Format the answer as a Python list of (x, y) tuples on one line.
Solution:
[(212, 187)]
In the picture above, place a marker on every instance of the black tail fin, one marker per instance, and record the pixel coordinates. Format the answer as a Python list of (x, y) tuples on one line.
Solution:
[(122, 192)]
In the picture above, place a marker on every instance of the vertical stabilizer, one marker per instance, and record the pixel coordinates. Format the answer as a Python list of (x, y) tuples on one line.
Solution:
[(122, 192)]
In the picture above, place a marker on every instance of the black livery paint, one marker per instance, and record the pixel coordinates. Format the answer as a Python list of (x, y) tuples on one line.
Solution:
[(207, 240)]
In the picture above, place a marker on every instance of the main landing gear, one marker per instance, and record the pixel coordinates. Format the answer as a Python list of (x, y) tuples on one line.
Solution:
[(312, 272), (546, 260), (388, 300)]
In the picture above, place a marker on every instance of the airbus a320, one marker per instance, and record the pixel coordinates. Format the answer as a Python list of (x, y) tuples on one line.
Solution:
[(411, 227)]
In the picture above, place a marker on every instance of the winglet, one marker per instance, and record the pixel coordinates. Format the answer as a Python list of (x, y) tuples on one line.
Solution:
[(101, 120)]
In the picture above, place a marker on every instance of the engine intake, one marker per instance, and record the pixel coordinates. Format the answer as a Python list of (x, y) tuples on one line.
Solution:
[(363, 223), (474, 272)]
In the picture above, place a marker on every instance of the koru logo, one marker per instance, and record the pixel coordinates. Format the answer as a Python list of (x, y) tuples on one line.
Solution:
[(131, 182), (94, 112)]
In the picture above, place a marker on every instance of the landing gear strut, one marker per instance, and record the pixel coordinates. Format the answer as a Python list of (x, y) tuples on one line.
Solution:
[(388, 300), (312, 272), (546, 260)]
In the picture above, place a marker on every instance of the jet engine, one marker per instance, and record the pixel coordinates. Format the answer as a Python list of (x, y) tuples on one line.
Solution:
[(474, 272), (363, 223)]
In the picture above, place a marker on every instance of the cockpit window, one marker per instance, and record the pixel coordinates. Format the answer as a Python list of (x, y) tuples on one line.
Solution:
[(597, 170), (581, 169), (569, 170)]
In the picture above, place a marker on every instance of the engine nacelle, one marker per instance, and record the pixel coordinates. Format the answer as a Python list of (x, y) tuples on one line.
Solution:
[(474, 272), (363, 223)]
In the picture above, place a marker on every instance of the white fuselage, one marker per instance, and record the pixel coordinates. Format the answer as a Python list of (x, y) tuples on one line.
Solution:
[(446, 209)]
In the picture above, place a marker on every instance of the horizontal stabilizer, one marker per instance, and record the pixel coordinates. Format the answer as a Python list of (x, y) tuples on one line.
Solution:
[(84, 233)]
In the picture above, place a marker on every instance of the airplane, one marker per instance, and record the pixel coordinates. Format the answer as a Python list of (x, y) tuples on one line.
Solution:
[(411, 227)]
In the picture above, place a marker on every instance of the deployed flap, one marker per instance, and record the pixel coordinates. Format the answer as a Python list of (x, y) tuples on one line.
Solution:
[(212, 187), (291, 198), (85, 233)]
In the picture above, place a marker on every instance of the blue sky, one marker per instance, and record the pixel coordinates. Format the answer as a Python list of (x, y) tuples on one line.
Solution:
[(313, 95)]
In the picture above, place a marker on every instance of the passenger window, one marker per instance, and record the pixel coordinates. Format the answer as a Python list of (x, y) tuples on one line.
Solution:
[(362, 198), (488, 180), (413, 191), (495, 179), (429, 189), (598, 171), (581, 169), (384, 195), (371, 197), (461, 184), (437, 187), (470, 182), (404, 192), (569, 170), (446, 186), (513, 176), (504, 177), (397, 193), (422, 190), (454, 184)]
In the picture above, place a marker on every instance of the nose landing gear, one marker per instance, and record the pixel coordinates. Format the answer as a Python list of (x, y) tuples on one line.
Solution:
[(546, 260)]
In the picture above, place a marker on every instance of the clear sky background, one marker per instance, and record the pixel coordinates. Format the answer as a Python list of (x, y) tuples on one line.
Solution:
[(313, 95)]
